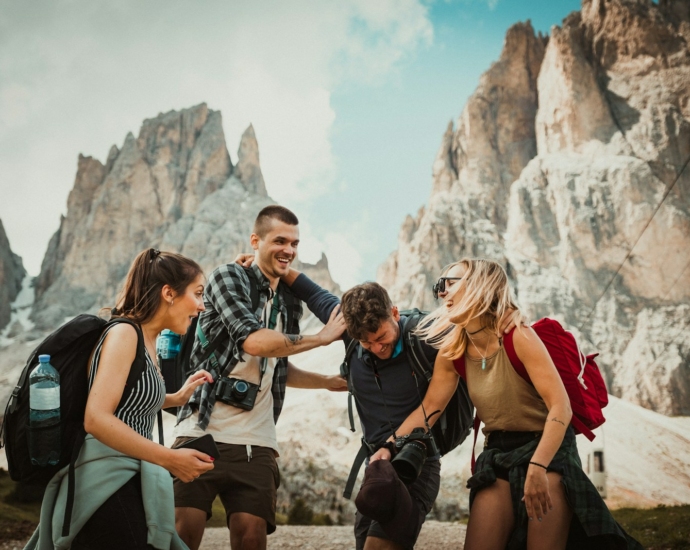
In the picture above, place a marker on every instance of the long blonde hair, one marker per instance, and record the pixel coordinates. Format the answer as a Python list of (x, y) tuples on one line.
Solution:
[(484, 293)]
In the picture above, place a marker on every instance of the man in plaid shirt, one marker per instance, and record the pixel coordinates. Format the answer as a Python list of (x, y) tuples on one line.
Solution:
[(251, 343)]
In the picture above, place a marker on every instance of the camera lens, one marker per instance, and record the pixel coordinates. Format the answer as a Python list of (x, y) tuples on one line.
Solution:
[(409, 461), (240, 389)]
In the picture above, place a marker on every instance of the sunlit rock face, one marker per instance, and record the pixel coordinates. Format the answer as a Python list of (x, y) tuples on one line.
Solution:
[(174, 188), (579, 190), (11, 275)]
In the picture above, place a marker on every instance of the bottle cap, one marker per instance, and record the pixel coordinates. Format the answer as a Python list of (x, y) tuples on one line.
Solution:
[(44, 358)]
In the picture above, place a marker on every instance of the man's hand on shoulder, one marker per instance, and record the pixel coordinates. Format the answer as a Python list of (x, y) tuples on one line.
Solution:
[(334, 329), (510, 320), (245, 260)]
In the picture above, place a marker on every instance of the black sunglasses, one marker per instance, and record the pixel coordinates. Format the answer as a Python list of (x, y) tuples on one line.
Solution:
[(440, 285)]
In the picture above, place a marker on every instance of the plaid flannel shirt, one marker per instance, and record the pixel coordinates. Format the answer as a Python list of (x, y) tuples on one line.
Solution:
[(593, 526), (229, 316)]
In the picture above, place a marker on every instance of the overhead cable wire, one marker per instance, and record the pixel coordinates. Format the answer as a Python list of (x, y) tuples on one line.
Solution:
[(627, 256)]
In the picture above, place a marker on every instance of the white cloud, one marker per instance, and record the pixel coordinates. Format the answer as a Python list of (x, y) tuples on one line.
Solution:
[(78, 75)]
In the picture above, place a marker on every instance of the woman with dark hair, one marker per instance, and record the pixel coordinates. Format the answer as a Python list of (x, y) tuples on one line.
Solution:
[(528, 489), (123, 493)]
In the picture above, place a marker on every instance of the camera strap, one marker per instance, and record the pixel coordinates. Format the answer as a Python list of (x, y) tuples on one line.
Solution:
[(370, 361), (204, 344)]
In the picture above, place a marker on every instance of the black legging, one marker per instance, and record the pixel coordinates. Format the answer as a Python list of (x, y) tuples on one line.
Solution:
[(118, 524)]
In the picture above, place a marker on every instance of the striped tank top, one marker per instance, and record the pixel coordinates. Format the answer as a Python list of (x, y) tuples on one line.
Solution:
[(140, 408)]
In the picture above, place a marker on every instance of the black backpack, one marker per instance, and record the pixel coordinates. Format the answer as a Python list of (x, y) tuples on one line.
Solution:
[(70, 348), (454, 424), (178, 369)]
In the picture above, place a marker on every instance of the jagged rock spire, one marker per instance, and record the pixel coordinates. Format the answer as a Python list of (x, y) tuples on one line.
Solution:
[(248, 169)]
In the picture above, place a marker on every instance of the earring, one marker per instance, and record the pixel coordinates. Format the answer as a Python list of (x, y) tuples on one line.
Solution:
[(172, 302)]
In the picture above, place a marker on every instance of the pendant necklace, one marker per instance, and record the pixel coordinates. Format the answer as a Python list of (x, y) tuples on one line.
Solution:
[(480, 353)]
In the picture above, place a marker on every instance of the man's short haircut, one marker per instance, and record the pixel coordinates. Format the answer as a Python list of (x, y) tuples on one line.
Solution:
[(262, 225), (364, 308)]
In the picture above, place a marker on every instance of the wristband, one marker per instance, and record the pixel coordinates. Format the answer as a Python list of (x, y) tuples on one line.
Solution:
[(537, 464)]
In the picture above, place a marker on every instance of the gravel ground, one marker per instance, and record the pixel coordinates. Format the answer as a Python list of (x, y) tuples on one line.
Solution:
[(435, 535)]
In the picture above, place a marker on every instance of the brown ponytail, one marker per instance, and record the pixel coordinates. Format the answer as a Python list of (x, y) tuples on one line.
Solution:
[(151, 270)]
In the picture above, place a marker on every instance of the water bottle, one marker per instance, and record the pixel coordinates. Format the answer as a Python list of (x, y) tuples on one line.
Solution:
[(44, 413), (168, 344)]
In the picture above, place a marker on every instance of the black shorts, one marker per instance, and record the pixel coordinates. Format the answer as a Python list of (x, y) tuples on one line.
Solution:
[(249, 486), (424, 491), (507, 441)]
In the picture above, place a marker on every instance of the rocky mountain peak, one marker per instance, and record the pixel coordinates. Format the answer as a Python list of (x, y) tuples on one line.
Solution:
[(567, 167), (173, 187), (476, 163), (12, 274), (248, 169)]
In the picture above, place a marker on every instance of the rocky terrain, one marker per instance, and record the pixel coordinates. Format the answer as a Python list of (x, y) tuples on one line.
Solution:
[(569, 165), (11, 275)]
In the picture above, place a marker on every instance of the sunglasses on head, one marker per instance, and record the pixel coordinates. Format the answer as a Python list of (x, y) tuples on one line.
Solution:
[(440, 285)]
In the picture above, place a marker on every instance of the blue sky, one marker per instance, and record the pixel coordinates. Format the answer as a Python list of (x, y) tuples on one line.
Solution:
[(349, 100), (386, 134)]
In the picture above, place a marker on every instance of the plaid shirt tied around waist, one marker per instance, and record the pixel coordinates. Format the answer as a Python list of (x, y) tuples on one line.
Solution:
[(229, 317), (592, 525)]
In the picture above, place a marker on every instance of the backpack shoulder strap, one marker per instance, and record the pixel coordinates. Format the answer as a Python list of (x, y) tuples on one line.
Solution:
[(290, 304), (512, 356), (459, 365), (364, 451), (420, 362), (345, 373), (253, 287)]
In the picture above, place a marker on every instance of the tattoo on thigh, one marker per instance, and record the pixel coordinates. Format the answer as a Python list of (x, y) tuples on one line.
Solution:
[(293, 339), (554, 419)]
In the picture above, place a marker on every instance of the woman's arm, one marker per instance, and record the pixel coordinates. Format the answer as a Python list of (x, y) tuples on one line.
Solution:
[(443, 384), (117, 355), (181, 396), (532, 352)]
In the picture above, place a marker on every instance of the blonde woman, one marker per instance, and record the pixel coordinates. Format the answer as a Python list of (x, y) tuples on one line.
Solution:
[(528, 489)]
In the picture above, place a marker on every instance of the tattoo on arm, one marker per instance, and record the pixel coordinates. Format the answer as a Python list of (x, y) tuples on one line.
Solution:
[(554, 419), (293, 339)]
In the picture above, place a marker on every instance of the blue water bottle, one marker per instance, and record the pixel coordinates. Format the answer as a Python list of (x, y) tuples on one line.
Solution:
[(168, 344), (44, 413)]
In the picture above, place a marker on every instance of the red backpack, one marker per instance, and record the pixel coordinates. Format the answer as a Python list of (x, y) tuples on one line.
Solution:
[(580, 375)]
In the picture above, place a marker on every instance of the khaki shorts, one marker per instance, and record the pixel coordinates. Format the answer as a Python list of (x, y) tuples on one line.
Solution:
[(244, 486)]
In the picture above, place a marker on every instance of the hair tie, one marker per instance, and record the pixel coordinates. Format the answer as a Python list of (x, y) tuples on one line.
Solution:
[(153, 254)]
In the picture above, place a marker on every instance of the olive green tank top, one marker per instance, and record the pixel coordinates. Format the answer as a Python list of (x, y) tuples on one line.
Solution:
[(504, 400)]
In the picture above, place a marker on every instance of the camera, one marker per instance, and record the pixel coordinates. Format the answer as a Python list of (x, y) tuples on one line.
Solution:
[(236, 392), (412, 451)]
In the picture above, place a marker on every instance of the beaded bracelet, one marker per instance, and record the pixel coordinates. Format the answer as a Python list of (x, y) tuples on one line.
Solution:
[(537, 464)]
